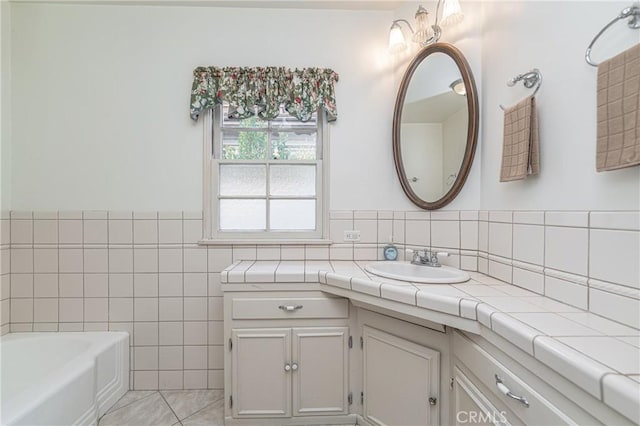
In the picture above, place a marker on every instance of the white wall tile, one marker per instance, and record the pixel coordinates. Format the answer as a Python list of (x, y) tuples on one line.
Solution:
[(120, 260), (170, 260), (219, 258), (469, 215), (195, 309), (145, 380), (96, 309), (287, 252), (145, 231), (96, 260), (94, 214), (71, 285), (121, 309), (368, 230), (170, 357), (195, 285), (570, 293), (195, 259), (21, 260), (195, 357), (45, 285), (532, 281), (95, 231), (566, 249), (70, 260), (572, 219), (315, 252), (337, 228), (615, 220), (70, 231), (170, 231), (469, 235), (171, 333), (529, 217), (500, 239), (170, 284), (216, 357), (173, 215), (21, 231), (195, 333), (398, 231), (528, 243), (120, 231), (483, 236), (171, 309), (619, 308), (21, 310), (172, 379), (501, 216), (145, 358), (21, 285), (70, 310), (96, 285), (613, 256), (500, 271), (418, 233), (120, 285), (445, 233), (145, 259), (192, 231), (244, 253), (45, 231), (145, 285), (267, 252), (145, 333), (444, 215), (145, 309)]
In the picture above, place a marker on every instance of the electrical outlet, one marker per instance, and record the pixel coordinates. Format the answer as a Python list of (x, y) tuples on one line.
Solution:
[(351, 235)]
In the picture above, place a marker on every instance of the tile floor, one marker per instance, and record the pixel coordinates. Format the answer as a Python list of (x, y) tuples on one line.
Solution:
[(167, 408)]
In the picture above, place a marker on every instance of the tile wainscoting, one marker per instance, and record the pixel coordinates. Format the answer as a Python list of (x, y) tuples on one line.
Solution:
[(143, 272)]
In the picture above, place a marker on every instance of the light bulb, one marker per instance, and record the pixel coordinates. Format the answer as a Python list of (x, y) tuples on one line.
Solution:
[(396, 39), (423, 29), (451, 12)]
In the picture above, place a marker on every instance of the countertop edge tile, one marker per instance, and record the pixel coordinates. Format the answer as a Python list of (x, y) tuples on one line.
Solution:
[(622, 393)]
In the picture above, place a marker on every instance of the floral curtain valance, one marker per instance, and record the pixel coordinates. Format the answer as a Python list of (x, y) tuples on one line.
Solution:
[(262, 90)]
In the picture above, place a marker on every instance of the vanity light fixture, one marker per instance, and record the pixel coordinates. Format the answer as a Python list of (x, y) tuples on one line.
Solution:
[(425, 34), (458, 87)]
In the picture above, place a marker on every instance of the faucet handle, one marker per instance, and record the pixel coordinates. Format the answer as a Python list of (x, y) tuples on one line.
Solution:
[(443, 253)]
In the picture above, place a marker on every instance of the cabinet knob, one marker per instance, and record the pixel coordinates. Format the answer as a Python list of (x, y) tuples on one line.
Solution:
[(294, 366), (507, 392), (287, 367)]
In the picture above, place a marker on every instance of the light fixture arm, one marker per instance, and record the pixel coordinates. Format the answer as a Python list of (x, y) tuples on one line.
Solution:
[(402, 20)]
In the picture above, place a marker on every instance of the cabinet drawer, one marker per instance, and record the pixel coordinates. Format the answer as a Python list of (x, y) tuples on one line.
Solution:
[(284, 308), (486, 368)]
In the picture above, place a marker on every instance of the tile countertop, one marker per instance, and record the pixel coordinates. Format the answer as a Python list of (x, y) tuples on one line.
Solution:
[(598, 355)]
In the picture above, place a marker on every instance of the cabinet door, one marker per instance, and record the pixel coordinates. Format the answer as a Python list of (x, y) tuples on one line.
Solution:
[(260, 381), (470, 406), (320, 377), (399, 378)]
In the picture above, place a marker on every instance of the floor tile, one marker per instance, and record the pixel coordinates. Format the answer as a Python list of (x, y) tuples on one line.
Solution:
[(211, 415), (186, 403), (150, 411), (130, 397)]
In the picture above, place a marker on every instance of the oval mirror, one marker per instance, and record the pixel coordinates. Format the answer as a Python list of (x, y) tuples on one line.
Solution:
[(435, 126)]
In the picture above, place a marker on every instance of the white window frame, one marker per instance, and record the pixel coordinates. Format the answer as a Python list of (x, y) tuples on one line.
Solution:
[(211, 235)]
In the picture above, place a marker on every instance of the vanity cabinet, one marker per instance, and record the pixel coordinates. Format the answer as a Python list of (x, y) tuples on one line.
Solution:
[(287, 357), (400, 380)]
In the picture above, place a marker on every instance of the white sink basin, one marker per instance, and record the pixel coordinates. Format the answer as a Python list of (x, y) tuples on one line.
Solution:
[(405, 271)]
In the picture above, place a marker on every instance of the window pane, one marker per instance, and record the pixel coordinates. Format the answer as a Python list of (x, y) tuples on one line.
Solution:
[(242, 180), (243, 145), (298, 145), (251, 122), (293, 180), (284, 120), (292, 215), (243, 215)]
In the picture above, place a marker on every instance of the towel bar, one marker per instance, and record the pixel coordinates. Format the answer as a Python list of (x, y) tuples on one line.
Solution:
[(632, 12), (530, 79)]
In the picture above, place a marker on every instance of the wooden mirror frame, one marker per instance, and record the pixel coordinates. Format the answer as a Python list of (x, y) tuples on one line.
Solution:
[(472, 126)]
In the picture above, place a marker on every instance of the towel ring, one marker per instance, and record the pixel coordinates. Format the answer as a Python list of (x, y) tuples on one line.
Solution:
[(632, 12), (529, 79)]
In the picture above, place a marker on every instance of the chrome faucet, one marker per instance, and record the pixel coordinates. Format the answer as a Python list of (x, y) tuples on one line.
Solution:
[(427, 258)]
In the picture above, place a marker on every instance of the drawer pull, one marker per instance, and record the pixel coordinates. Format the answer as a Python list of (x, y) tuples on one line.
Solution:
[(287, 367), (505, 390), (290, 308), (294, 366)]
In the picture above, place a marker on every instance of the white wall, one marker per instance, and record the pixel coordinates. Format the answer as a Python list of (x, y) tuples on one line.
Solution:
[(552, 36), (5, 106), (101, 97)]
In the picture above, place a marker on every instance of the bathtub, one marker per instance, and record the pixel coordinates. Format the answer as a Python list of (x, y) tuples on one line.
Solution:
[(61, 378)]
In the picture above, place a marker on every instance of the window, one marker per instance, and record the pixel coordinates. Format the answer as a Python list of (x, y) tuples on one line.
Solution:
[(265, 179)]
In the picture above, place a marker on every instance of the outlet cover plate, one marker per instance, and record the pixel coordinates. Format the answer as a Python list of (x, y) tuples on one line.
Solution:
[(352, 235)]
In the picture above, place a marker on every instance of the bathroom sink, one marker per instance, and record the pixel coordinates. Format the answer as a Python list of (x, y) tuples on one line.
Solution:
[(405, 271)]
